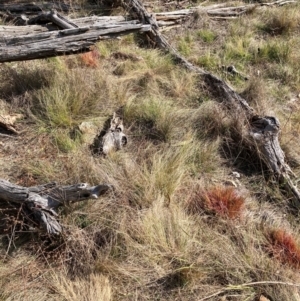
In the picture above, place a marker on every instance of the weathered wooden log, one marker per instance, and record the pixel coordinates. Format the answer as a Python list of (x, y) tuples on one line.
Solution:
[(53, 17), (11, 31), (110, 139), (68, 41), (212, 11), (99, 20), (263, 130), (41, 201), (279, 3), (16, 31)]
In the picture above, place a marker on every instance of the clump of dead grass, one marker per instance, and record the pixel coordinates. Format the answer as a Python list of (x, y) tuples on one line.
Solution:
[(18, 80), (70, 99), (219, 200), (91, 58), (94, 287), (256, 95), (274, 51), (152, 118), (210, 121), (284, 247)]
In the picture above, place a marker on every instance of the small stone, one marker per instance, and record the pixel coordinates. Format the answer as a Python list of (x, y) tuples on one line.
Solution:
[(236, 174), (87, 127), (263, 298), (89, 130)]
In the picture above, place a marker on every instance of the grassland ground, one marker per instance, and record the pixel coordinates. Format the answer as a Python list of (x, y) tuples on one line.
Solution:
[(180, 225)]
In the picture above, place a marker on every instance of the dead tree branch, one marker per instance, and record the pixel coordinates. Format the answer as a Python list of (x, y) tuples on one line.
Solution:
[(263, 129), (41, 201)]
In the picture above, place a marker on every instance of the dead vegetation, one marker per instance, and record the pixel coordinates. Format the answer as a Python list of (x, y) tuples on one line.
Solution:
[(172, 229)]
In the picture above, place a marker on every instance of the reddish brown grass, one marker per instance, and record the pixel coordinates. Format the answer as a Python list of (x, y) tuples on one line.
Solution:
[(220, 200), (284, 247), (90, 59)]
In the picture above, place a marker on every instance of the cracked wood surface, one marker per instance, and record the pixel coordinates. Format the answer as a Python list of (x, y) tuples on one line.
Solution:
[(55, 43), (41, 201)]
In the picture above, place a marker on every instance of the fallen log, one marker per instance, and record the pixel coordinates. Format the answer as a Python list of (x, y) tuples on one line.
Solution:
[(212, 11), (10, 31), (15, 31), (72, 39), (38, 203), (262, 129), (68, 41)]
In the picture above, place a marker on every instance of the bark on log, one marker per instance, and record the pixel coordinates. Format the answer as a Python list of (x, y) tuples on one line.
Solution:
[(41, 201), (264, 130)]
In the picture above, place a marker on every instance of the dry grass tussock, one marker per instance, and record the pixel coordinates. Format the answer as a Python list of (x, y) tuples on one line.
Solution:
[(169, 230), (222, 201), (95, 287), (279, 21), (284, 247)]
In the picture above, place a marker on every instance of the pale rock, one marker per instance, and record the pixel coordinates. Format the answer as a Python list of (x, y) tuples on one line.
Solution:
[(236, 174), (88, 130), (263, 298)]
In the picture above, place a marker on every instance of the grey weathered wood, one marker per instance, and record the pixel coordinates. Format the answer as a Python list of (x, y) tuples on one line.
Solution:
[(53, 17), (264, 130), (279, 3), (41, 201), (12, 193), (211, 11), (68, 41), (10, 31), (110, 139)]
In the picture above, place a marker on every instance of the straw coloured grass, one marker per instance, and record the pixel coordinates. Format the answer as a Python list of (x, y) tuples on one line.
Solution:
[(193, 215)]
